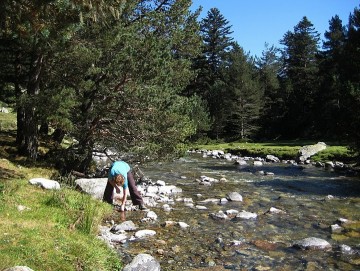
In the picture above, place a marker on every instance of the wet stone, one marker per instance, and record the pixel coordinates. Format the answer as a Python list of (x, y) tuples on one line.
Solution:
[(144, 233), (234, 196), (246, 215), (143, 262), (125, 226), (312, 243), (237, 243), (265, 245)]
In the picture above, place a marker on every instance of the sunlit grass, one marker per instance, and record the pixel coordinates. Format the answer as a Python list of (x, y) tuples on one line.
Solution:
[(50, 230), (7, 121), (281, 149)]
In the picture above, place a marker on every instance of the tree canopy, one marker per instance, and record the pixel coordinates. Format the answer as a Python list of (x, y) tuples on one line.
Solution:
[(147, 77)]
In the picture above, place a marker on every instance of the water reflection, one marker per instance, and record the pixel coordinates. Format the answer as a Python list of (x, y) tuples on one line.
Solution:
[(265, 243)]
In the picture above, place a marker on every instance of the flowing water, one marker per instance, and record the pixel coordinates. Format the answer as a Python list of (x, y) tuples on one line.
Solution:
[(313, 199)]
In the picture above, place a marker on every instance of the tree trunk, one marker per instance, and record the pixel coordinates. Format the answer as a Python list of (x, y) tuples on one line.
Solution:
[(30, 132), (31, 122), (58, 135), (44, 129), (20, 117)]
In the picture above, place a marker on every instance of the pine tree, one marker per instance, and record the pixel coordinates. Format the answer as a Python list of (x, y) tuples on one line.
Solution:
[(107, 74), (215, 31), (268, 66), (243, 95), (129, 80), (300, 74), (330, 106), (350, 76), (32, 31)]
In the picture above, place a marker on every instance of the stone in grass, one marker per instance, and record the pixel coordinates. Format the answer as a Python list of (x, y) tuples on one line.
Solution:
[(45, 183), (18, 268)]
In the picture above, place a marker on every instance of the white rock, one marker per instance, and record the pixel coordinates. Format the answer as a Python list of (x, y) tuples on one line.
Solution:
[(312, 243), (18, 268), (160, 183), (152, 215), (118, 238), (234, 196), (95, 187), (345, 249), (276, 211), (183, 225), (143, 262), (258, 163), (219, 216), (152, 189), (169, 189), (336, 228), (144, 233), (240, 162), (211, 200), (235, 243), (45, 183), (246, 215), (22, 208), (167, 208), (223, 200), (231, 212), (4, 110)]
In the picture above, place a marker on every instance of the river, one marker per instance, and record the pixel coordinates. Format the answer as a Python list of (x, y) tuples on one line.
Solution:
[(312, 199)]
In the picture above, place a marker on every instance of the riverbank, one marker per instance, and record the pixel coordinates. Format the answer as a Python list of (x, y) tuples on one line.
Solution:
[(47, 229), (285, 150)]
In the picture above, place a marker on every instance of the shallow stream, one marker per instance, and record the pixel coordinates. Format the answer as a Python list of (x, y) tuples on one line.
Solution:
[(313, 199)]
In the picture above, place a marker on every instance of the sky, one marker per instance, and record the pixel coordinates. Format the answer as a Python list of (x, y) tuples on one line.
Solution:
[(255, 22)]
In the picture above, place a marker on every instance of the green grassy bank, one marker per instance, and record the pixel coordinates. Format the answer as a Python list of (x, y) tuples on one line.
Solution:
[(44, 229), (49, 230), (283, 150)]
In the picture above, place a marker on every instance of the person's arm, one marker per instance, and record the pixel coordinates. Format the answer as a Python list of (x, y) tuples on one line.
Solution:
[(124, 199)]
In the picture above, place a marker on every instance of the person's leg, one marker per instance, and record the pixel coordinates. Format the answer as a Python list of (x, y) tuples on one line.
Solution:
[(108, 193), (134, 193)]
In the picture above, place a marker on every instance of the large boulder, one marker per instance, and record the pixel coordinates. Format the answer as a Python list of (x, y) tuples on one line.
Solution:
[(95, 187), (309, 150)]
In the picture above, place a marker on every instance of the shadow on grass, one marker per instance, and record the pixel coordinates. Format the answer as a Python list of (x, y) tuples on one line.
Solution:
[(7, 174), (9, 151)]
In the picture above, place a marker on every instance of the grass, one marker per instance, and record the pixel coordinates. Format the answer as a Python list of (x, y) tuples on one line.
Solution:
[(56, 230), (7, 121), (283, 150)]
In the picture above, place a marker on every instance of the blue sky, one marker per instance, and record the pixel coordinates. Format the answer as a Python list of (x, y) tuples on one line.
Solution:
[(255, 22)]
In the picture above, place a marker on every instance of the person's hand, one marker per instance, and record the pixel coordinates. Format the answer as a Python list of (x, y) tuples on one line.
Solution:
[(122, 208)]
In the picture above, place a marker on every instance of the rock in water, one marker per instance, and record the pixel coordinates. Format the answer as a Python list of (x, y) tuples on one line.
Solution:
[(143, 262)]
